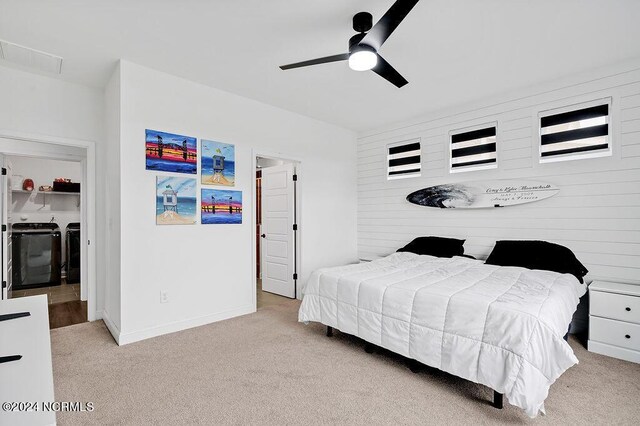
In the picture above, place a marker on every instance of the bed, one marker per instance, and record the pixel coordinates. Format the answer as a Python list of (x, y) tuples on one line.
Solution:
[(499, 326)]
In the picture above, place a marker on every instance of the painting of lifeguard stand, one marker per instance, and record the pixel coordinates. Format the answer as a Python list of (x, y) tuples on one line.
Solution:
[(170, 199), (218, 164), (176, 202)]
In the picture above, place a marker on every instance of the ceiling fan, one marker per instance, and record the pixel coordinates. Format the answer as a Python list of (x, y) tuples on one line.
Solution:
[(363, 47)]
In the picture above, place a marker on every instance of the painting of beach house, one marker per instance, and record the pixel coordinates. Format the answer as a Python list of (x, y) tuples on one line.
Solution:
[(218, 164), (220, 206), (167, 152), (176, 202)]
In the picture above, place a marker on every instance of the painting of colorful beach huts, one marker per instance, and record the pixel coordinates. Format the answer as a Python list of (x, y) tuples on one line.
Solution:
[(218, 164), (167, 152), (176, 202), (220, 206)]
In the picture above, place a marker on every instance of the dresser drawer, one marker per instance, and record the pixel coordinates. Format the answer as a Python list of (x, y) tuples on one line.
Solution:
[(615, 306), (615, 333)]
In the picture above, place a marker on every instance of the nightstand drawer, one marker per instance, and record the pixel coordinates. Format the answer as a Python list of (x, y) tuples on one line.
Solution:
[(615, 306), (617, 333)]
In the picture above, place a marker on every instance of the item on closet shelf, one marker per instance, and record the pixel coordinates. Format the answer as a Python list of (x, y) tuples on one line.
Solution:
[(45, 188), (482, 194), (27, 184), (62, 180), (66, 186)]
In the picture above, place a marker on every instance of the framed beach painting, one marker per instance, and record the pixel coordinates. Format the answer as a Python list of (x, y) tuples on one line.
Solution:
[(167, 152), (176, 202), (220, 206), (218, 164)]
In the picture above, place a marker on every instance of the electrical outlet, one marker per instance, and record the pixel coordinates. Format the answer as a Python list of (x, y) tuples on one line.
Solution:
[(164, 296)]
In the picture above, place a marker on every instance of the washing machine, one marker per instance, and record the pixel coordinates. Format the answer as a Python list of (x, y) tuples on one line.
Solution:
[(72, 239), (36, 255)]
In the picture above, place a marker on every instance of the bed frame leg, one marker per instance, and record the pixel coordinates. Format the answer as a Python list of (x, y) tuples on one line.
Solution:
[(498, 400), (329, 331)]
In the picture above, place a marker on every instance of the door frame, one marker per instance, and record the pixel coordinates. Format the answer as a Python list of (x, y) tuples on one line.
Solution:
[(87, 203), (298, 214)]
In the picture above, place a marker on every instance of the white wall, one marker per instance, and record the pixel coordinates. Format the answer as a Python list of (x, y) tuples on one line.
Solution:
[(112, 212), (596, 213), (37, 207), (42, 106), (207, 269)]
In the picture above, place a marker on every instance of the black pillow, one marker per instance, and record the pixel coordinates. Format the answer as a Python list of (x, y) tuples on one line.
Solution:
[(435, 246), (537, 255)]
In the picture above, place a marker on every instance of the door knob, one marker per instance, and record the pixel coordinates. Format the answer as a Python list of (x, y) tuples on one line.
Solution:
[(264, 235)]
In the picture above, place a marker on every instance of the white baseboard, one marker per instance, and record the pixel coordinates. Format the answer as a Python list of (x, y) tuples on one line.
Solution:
[(115, 331), (135, 336), (614, 351)]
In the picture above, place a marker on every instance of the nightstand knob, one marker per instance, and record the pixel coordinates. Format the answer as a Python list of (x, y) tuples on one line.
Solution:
[(628, 309), (627, 336)]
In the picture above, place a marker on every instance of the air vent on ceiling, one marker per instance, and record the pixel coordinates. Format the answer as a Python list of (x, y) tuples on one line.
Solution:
[(30, 58)]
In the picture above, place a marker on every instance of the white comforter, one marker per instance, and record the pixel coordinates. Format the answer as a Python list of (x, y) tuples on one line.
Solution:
[(502, 327)]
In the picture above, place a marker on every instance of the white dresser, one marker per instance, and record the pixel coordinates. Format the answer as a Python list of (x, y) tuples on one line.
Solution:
[(614, 320), (30, 379)]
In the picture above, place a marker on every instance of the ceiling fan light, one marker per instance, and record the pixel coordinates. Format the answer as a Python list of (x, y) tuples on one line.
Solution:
[(363, 60)]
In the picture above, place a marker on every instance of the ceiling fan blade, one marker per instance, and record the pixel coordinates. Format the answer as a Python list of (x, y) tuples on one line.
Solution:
[(386, 71), (388, 23), (326, 59)]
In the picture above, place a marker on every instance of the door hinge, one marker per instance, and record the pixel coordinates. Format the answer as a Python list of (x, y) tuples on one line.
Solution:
[(295, 276), (4, 171), (4, 228), (295, 178), (295, 226), (4, 284)]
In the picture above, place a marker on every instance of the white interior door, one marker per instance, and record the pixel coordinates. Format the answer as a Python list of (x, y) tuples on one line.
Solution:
[(278, 236), (5, 209)]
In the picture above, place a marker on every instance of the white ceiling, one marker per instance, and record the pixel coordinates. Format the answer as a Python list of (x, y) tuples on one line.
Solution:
[(451, 51)]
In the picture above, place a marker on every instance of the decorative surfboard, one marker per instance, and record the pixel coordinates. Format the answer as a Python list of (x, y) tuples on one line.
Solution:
[(482, 194)]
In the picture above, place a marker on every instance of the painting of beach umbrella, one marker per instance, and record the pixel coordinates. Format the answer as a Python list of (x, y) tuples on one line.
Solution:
[(176, 202), (218, 206), (167, 152), (218, 164)]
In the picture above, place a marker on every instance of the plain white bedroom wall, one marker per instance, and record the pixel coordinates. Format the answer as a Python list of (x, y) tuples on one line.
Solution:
[(43, 106), (596, 213), (112, 106), (207, 269)]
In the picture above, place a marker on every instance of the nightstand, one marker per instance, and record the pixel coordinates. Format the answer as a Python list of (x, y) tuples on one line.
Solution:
[(614, 320)]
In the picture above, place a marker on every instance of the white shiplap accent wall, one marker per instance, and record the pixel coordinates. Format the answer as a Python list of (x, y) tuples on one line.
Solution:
[(596, 213)]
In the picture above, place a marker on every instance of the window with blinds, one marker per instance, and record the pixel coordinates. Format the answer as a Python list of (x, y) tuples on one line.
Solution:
[(403, 159), (474, 149), (580, 132)]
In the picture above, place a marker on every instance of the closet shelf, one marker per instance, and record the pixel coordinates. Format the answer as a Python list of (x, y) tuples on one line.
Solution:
[(45, 193), (22, 191)]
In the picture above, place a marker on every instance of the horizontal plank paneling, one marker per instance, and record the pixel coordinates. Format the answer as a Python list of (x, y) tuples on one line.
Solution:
[(596, 213)]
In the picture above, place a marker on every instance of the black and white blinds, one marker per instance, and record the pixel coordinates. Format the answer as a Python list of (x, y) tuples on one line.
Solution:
[(474, 149), (404, 159), (584, 130)]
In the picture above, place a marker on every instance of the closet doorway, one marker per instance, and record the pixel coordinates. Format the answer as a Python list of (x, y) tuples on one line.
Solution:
[(277, 229), (45, 199)]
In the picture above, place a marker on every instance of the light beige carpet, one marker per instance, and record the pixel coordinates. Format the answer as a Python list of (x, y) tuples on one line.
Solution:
[(266, 368)]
